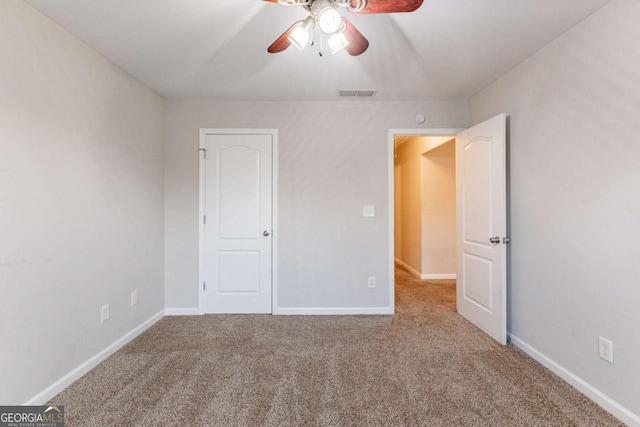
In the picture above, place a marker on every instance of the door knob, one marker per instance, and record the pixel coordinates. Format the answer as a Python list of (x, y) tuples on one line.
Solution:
[(265, 233), (495, 240)]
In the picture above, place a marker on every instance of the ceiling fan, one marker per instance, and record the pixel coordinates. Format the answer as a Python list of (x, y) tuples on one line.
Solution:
[(341, 33)]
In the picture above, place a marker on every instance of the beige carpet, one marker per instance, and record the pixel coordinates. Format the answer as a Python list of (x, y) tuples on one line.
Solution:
[(425, 366)]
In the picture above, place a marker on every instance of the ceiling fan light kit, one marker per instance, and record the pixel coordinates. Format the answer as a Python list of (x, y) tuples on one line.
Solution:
[(341, 33)]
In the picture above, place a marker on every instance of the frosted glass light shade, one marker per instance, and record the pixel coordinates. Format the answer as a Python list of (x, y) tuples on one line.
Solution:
[(299, 38), (301, 35), (329, 20), (337, 42)]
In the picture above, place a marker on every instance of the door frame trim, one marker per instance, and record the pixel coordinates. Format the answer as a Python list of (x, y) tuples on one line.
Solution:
[(391, 201), (274, 207)]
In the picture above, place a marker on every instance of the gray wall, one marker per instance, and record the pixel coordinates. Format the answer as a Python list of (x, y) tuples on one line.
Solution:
[(575, 212), (332, 161), (81, 202), (83, 208)]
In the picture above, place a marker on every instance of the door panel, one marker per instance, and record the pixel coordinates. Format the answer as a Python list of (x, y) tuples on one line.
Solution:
[(481, 216), (477, 195), (239, 272), (237, 259), (239, 193), (477, 281)]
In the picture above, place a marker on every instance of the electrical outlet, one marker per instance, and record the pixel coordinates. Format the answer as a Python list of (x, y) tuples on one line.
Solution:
[(104, 313), (372, 282), (605, 349), (368, 211), (134, 297)]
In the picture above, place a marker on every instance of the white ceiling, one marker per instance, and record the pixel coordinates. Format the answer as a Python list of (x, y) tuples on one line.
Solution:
[(217, 49)]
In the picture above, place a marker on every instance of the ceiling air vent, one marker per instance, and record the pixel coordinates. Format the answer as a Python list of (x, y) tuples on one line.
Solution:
[(349, 93)]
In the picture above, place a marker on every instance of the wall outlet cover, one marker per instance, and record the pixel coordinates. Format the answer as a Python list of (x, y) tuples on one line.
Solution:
[(605, 349)]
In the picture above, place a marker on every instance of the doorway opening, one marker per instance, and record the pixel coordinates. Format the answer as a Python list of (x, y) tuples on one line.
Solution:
[(481, 220), (424, 202)]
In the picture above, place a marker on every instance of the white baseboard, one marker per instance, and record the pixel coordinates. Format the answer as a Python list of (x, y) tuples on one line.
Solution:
[(610, 405), (437, 276), (327, 311), (64, 382), (182, 311), (408, 268), (423, 276)]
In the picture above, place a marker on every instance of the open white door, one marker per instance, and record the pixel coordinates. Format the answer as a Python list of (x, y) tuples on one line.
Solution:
[(481, 215), (236, 251)]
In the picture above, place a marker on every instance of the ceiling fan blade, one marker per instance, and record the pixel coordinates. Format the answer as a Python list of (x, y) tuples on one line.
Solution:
[(357, 42), (388, 6), (282, 42)]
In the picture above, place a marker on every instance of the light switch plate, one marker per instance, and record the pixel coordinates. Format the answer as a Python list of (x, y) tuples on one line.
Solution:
[(104, 313), (368, 211)]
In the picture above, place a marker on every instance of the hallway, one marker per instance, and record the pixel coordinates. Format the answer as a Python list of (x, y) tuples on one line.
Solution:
[(415, 296)]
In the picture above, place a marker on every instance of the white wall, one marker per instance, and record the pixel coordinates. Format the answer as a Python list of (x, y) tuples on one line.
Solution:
[(81, 202), (408, 200), (575, 171), (332, 161), (439, 211), (397, 208)]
